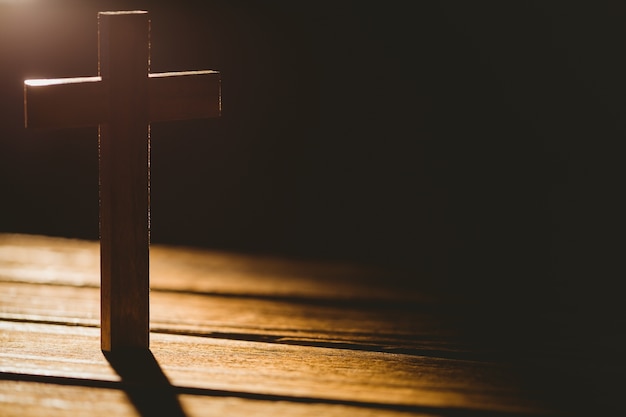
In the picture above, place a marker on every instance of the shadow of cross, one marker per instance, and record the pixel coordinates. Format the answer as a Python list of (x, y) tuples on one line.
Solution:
[(122, 101), (145, 384)]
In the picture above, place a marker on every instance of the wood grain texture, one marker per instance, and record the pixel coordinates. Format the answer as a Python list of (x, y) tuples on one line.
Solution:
[(208, 366), (26, 398), (124, 175), (224, 343)]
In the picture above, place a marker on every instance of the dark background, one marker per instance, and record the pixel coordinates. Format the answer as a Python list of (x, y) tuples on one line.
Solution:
[(476, 145)]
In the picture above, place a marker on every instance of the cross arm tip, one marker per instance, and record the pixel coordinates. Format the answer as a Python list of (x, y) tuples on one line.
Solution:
[(40, 82)]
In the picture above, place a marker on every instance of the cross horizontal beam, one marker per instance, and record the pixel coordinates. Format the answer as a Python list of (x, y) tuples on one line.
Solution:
[(64, 102), (83, 101)]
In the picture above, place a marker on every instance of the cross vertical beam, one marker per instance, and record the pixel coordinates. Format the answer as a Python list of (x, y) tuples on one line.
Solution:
[(124, 180)]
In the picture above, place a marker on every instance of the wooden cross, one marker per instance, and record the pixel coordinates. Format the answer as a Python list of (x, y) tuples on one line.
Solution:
[(122, 101)]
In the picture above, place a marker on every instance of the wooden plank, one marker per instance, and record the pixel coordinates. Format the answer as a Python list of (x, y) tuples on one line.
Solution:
[(275, 321), (64, 102), (124, 184), (42, 259), (184, 95), (214, 367), (26, 398)]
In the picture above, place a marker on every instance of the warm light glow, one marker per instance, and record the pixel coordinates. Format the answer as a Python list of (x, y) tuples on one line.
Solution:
[(58, 81), (24, 258)]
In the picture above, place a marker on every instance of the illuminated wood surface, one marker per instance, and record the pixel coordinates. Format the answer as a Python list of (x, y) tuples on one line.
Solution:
[(236, 335), (122, 100)]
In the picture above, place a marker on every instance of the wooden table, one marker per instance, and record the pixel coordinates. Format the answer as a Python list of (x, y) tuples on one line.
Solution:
[(244, 335)]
